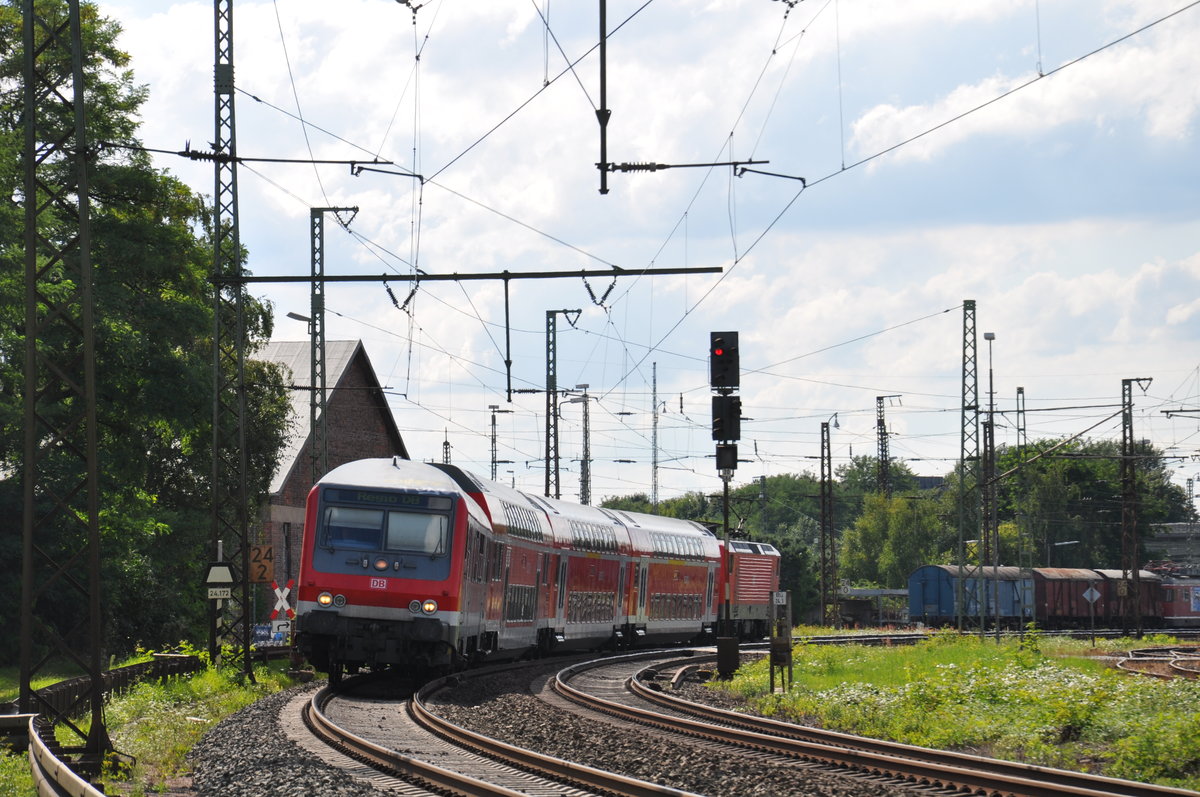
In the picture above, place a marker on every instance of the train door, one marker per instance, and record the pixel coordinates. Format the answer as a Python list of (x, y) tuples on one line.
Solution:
[(707, 613), (643, 573), (540, 589), (619, 607), (562, 590)]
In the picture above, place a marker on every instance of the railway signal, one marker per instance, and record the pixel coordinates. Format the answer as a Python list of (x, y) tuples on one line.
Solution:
[(726, 418), (723, 366)]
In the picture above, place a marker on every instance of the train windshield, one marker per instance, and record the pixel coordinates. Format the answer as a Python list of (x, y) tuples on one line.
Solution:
[(377, 529)]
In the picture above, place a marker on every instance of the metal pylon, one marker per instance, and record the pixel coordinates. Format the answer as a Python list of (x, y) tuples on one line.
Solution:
[(1130, 566), (968, 458), (552, 484), (60, 526), (828, 564), (230, 513), (317, 422)]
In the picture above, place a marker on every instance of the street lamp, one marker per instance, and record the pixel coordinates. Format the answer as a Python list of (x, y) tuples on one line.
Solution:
[(1060, 545)]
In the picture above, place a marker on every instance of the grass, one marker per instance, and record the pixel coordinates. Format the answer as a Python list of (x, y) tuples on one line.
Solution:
[(1043, 700), (157, 724)]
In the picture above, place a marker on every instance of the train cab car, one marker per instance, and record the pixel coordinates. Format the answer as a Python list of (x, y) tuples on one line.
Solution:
[(753, 576), (383, 566), (1180, 601)]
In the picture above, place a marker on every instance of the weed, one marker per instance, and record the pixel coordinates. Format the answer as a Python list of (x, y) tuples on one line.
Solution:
[(1035, 699)]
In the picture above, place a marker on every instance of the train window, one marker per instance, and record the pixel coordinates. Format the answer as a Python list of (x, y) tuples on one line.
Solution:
[(497, 561), (412, 531), (353, 528), (480, 555)]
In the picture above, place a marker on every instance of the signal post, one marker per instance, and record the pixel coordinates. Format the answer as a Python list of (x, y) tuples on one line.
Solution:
[(724, 379)]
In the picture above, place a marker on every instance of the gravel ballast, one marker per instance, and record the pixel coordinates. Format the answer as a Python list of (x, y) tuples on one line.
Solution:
[(250, 754)]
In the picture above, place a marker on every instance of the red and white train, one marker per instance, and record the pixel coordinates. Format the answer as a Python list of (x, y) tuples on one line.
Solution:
[(414, 565)]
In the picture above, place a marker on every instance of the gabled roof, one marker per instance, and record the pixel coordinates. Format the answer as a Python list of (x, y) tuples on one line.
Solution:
[(296, 357)]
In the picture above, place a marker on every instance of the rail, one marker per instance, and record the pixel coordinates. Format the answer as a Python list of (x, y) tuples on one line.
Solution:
[(53, 769), (921, 765)]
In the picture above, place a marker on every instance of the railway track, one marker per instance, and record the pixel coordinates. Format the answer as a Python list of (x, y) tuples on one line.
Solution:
[(1175, 662), (427, 754), (622, 690)]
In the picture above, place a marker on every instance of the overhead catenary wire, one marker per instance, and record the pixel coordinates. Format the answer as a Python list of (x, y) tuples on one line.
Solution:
[(477, 314)]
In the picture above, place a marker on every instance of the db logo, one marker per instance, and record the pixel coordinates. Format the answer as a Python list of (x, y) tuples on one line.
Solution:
[(379, 583)]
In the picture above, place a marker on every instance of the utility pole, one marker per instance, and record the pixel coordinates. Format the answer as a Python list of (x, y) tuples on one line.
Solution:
[(1022, 436), (60, 521), (654, 436), (828, 563), (585, 467), (884, 477), (230, 512), (552, 488), (1131, 575), (991, 529), (968, 458), (495, 408), (318, 426)]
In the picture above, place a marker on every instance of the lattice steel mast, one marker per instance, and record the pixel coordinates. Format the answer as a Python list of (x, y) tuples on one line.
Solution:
[(60, 524), (1130, 567), (318, 428), (552, 486), (828, 563), (968, 458), (230, 514)]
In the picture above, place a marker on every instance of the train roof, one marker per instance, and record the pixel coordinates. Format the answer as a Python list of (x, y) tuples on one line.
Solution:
[(974, 571), (747, 546), (391, 473), (1117, 575), (510, 510), (1066, 573), (397, 474)]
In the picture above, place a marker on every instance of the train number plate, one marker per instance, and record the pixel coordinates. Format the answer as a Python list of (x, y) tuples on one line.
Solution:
[(379, 583)]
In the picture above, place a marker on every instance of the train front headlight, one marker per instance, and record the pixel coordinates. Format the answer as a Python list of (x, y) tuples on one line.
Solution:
[(325, 599), (429, 606)]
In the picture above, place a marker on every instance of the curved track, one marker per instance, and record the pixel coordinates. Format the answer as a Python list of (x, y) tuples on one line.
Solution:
[(609, 687), (414, 745), (1177, 662)]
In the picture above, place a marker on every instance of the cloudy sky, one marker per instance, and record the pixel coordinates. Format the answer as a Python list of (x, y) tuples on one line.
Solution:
[(1041, 157)]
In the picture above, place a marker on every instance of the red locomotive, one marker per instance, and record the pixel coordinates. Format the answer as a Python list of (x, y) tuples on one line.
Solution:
[(407, 564)]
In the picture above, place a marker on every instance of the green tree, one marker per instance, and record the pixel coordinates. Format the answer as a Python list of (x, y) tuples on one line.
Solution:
[(1068, 502), (151, 257), (891, 538)]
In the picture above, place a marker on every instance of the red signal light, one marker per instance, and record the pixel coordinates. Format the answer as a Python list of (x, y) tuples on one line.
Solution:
[(718, 351)]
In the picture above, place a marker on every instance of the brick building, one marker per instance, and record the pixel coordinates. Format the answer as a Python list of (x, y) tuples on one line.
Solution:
[(359, 425)]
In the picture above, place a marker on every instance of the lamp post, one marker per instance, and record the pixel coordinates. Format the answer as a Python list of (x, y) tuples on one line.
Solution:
[(1062, 544), (992, 528)]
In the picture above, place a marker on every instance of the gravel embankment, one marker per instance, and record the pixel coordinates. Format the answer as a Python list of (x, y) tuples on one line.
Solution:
[(503, 706), (249, 753)]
